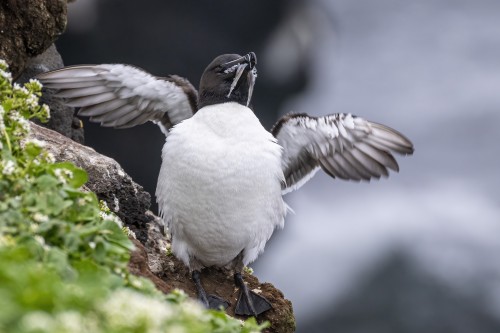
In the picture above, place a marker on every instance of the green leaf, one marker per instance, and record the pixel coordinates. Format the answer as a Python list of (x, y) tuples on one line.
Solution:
[(80, 177), (32, 150), (46, 181), (116, 236), (69, 173)]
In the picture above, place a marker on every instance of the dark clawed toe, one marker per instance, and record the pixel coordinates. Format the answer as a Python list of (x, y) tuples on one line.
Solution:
[(216, 302)]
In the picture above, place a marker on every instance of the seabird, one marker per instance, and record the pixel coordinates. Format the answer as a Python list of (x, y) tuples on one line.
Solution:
[(223, 174)]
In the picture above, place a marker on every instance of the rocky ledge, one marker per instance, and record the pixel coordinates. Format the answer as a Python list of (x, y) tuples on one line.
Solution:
[(151, 258)]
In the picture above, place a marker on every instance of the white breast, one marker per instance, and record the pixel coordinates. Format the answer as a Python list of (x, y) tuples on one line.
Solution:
[(219, 188)]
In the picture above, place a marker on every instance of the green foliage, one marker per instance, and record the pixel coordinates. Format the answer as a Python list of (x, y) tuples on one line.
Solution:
[(64, 255)]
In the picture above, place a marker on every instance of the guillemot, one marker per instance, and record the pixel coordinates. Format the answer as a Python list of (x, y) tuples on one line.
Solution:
[(223, 174)]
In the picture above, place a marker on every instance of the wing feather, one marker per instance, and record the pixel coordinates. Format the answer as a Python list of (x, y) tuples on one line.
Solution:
[(102, 108), (123, 96), (344, 146), (91, 99), (82, 92)]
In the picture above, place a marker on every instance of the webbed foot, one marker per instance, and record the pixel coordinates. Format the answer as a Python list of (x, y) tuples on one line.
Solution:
[(249, 303)]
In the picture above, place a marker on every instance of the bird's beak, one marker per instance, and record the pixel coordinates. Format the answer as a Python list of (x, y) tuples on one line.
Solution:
[(247, 61), (250, 59)]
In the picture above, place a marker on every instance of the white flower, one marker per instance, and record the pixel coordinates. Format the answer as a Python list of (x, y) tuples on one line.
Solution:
[(40, 218), (67, 321), (63, 175), (32, 101), (71, 321), (46, 110), (40, 240), (18, 88), (126, 310), (8, 167), (60, 176), (15, 116), (129, 232), (6, 75), (92, 245), (37, 321), (25, 125), (104, 206), (111, 217), (38, 85), (50, 157), (33, 227), (136, 283)]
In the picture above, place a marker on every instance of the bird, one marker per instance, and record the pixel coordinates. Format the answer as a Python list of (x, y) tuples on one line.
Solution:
[(223, 175)]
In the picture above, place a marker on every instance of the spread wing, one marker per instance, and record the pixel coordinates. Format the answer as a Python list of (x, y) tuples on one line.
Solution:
[(344, 146), (123, 96)]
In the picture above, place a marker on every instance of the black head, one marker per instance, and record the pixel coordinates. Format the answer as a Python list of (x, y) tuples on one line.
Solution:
[(228, 78)]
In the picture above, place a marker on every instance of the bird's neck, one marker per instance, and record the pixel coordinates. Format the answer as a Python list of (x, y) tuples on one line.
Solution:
[(209, 98)]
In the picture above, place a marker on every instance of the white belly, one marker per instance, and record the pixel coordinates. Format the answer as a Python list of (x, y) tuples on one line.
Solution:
[(219, 188)]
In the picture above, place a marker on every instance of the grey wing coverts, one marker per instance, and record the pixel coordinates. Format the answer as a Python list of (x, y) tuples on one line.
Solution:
[(123, 96), (343, 145)]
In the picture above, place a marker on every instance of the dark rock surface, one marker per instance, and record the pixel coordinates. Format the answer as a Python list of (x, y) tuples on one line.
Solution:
[(28, 28), (62, 118)]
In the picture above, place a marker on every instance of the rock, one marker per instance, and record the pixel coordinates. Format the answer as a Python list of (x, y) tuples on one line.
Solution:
[(106, 179), (28, 28), (151, 258), (62, 117), (170, 273), (139, 265)]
